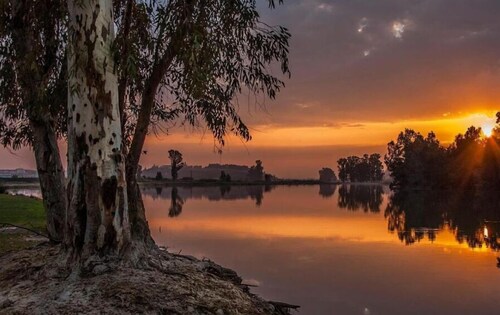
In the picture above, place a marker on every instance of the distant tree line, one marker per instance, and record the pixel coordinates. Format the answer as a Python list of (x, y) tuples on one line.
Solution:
[(361, 169), (471, 161)]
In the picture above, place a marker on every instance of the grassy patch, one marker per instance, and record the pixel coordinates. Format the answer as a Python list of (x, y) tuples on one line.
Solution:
[(23, 211)]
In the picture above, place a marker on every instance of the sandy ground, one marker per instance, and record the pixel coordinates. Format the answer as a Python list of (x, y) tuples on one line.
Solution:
[(37, 281)]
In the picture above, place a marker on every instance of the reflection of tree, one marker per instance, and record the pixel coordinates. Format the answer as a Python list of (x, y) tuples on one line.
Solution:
[(256, 193), (476, 220), (473, 219), (327, 190), (357, 197), (224, 189), (414, 215), (158, 191), (176, 203), (212, 193)]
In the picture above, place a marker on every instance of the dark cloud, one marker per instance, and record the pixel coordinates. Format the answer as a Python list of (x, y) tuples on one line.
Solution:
[(387, 59)]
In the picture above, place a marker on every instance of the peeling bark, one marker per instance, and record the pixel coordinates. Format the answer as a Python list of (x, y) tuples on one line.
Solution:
[(97, 216)]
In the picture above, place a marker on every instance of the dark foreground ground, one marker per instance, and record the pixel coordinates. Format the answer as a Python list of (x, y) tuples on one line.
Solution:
[(36, 281)]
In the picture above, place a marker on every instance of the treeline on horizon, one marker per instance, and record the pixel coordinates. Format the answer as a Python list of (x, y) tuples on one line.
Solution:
[(471, 161), (367, 168)]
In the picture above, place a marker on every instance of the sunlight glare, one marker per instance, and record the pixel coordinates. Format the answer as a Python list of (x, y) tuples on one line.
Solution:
[(487, 130)]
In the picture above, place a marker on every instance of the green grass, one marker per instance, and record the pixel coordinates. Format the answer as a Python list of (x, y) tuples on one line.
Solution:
[(23, 211)]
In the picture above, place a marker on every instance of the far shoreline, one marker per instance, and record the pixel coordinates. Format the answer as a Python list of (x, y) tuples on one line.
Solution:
[(148, 182)]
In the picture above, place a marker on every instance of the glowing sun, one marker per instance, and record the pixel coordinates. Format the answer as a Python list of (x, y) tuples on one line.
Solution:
[(487, 129)]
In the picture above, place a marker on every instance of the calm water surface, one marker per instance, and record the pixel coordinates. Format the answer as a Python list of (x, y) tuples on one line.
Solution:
[(341, 250)]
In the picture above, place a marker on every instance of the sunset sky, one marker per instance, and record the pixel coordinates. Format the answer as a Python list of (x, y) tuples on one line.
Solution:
[(362, 70)]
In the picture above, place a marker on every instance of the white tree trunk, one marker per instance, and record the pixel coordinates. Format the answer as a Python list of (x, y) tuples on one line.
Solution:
[(97, 216)]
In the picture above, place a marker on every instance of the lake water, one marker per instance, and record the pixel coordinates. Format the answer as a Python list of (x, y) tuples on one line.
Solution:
[(341, 249)]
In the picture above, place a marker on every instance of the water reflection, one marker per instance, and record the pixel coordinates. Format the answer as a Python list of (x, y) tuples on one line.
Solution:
[(360, 197), (474, 220), (212, 193), (327, 190), (340, 249), (411, 216), (176, 203)]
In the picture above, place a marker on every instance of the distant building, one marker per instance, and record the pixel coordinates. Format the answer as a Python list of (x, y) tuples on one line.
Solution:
[(212, 171), (18, 173)]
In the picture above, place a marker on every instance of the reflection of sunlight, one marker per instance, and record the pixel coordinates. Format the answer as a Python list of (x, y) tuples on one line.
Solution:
[(447, 238), (367, 229)]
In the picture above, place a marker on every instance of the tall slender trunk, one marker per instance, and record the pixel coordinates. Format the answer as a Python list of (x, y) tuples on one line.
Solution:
[(140, 229), (139, 224), (97, 216), (50, 175), (33, 90)]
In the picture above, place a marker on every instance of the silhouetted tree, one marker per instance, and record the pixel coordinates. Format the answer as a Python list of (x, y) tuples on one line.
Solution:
[(176, 163), (256, 172), (159, 176), (465, 157), (327, 175), (224, 177), (376, 167), (471, 161), (490, 166), (360, 169), (412, 160), (342, 166)]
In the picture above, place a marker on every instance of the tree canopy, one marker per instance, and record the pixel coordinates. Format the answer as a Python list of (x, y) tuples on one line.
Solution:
[(361, 169), (471, 161)]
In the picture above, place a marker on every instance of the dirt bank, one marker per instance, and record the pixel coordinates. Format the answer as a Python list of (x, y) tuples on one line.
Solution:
[(36, 281)]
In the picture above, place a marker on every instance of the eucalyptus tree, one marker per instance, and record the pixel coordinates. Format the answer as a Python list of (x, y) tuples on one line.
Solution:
[(199, 54), (179, 59), (97, 214), (33, 93), (189, 60)]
